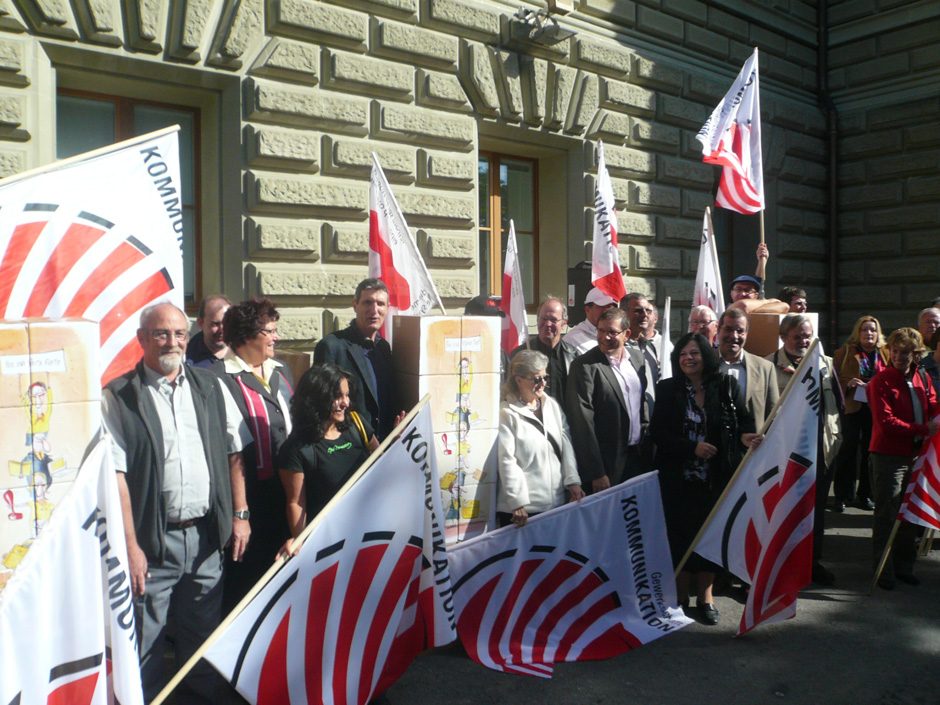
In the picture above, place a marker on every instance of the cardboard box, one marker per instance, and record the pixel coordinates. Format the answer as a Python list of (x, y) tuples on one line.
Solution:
[(436, 345), (763, 332)]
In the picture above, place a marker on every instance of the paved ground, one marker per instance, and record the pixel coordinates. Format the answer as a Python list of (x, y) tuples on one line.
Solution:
[(842, 647)]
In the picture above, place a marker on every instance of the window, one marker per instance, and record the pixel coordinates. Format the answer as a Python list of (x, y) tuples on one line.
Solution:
[(86, 121), (508, 188)]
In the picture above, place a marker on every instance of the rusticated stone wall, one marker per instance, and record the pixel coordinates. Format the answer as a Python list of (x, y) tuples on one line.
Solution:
[(425, 83)]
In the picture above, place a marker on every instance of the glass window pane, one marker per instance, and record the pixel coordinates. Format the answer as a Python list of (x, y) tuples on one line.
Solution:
[(517, 191), (148, 118), (525, 242), (83, 124), (483, 188)]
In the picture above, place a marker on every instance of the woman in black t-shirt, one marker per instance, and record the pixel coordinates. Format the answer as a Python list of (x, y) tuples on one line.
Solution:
[(325, 446)]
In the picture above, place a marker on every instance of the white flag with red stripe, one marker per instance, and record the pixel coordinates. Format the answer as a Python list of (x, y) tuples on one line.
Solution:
[(763, 529), (921, 503), (512, 301), (369, 590), (66, 614), (393, 255), (731, 137), (95, 237), (605, 265), (708, 291), (586, 581)]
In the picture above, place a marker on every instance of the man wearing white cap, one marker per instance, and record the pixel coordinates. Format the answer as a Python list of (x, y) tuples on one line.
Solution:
[(583, 336)]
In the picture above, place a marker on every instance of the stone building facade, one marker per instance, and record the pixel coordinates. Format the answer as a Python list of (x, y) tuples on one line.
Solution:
[(289, 99)]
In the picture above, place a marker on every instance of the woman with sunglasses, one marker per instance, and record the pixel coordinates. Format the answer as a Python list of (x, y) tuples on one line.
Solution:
[(536, 460)]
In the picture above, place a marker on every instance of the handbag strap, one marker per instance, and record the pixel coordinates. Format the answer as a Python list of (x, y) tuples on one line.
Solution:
[(362, 431)]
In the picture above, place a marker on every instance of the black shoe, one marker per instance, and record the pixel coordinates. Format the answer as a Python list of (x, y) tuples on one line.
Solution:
[(907, 578), (886, 582), (864, 504), (838, 506), (709, 614), (822, 576)]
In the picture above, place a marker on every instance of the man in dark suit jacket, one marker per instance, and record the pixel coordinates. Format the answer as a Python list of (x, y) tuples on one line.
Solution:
[(607, 424), (363, 352)]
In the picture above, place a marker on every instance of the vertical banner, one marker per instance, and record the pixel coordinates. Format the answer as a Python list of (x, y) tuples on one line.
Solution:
[(512, 301), (605, 266), (708, 290), (97, 236), (67, 614)]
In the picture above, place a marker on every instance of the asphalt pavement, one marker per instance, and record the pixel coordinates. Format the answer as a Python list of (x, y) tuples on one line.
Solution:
[(843, 646)]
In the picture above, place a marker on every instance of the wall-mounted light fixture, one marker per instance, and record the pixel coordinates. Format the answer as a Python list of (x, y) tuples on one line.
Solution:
[(538, 26)]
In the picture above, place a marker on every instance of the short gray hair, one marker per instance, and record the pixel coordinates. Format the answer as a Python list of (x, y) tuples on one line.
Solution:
[(929, 309), (550, 297), (146, 314), (794, 320), (702, 309), (523, 364)]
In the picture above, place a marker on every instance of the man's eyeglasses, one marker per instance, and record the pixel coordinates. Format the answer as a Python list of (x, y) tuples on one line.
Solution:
[(161, 335), (609, 332)]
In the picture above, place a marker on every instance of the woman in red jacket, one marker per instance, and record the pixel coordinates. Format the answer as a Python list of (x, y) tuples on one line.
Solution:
[(903, 405)]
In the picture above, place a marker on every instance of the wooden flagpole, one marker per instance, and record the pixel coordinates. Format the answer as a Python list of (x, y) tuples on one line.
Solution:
[(884, 557), (763, 262), (741, 465), (281, 562), (926, 542)]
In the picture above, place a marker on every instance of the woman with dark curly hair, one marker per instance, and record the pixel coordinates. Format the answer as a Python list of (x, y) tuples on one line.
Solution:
[(328, 444), (261, 388), (701, 427)]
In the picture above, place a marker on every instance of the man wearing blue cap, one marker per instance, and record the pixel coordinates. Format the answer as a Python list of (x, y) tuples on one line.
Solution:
[(746, 290)]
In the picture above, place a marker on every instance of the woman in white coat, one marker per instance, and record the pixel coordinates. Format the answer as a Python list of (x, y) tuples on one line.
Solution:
[(536, 460)]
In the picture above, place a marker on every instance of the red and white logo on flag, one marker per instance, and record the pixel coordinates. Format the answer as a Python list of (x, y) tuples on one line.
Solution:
[(605, 265), (731, 138), (512, 301), (921, 503), (393, 255), (96, 239)]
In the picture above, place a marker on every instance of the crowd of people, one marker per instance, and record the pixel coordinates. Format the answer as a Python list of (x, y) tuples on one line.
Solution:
[(222, 461)]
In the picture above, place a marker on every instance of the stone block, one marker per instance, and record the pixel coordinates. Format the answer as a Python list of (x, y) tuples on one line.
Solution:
[(801, 53), (651, 197), (683, 172), (584, 102), (240, 30), (657, 75), (300, 324), (925, 58), (620, 11), (402, 9), (561, 84), (906, 269), (800, 196), (911, 111), (293, 149), (445, 246), (11, 63), (706, 41), (372, 77), (870, 144), (682, 112), (680, 231), (401, 123), (306, 281), (346, 157), (445, 169), (851, 223), (923, 188), (267, 236), (921, 136), (853, 123), (607, 59), (769, 41), (11, 163), (509, 83), (852, 52), (728, 25), (414, 44), (535, 75), (308, 108), (680, 290), (12, 110), (802, 246), (441, 90), (635, 226), (658, 260), (471, 19), (653, 135), (290, 194), (430, 207), (851, 272), (659, 24), (878, 69), (867, 246), (906, 165), (815, 223), (691, 10), (627, 98), (909, 37), (852, 173), (916, 296), (870, 196), (789, 219), (609, 126), (346, 242), (478, 77), (456, 285), (694, 203), (897, 220), (291, 61), (926, 243), (317, 21)]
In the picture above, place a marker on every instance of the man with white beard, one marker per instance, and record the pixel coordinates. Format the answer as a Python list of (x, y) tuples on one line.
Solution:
[(174, 458)]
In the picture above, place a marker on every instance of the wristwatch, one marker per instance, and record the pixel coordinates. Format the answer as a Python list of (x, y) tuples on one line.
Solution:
[(242, 514)]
